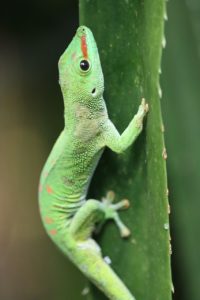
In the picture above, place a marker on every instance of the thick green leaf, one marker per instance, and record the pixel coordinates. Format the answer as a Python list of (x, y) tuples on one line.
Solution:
[(181, 105), (129, 36)]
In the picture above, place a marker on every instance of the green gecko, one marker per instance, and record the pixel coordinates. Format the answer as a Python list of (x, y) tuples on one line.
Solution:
[(67, 217)]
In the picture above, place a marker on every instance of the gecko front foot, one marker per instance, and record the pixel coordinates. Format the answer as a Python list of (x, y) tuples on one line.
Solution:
[(111, 212), (142, 111), (143, 108)]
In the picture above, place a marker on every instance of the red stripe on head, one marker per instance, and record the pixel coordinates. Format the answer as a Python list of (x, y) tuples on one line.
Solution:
[(84, 46)]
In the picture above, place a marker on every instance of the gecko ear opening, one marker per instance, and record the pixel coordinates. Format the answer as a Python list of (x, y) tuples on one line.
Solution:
[(93, 91)]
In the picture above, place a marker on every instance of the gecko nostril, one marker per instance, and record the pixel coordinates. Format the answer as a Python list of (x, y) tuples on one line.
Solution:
[(93, 91)]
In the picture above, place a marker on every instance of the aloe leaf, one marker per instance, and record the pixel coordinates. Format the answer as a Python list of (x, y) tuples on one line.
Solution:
[(181, 106), (129, 36)]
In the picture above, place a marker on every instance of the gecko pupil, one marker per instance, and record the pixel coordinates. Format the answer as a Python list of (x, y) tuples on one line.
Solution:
[(84, 65)]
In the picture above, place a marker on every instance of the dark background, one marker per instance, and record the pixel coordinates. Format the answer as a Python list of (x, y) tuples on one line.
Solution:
[(32, 37)]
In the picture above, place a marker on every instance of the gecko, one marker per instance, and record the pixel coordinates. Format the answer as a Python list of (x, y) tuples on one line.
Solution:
[(69, 219)]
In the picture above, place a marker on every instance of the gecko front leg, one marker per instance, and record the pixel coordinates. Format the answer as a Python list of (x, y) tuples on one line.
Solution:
[(119, 143), (86, 252)]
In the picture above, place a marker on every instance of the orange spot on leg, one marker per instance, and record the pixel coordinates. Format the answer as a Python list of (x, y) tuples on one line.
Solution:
[(53, 231), (49, 189), (48, 220)]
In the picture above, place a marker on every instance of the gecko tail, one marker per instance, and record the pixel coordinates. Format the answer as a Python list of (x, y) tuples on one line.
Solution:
[(101, 275)]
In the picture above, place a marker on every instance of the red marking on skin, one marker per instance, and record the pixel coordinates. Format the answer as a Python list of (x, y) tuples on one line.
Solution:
[(84, 46), (49, 189), (48, 220), (40, 188), (53, 231), (73, 55)]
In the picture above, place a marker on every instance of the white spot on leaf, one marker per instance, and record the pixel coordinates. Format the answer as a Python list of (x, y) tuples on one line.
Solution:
[(107, 260), (85, 291)]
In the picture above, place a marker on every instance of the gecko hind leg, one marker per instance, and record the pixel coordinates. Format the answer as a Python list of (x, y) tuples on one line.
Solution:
[(93, 212), (86, 253)]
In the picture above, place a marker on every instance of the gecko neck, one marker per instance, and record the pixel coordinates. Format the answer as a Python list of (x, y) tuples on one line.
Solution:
[(91, 109)]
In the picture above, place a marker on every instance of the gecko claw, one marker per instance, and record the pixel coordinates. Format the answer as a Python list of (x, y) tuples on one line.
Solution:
[(126, 203), (144, 106), (123, 204), (142, 111), (109, 198), (125, 232)]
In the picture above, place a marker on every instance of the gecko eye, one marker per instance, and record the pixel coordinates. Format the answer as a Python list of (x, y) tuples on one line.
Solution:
[(84, 65)]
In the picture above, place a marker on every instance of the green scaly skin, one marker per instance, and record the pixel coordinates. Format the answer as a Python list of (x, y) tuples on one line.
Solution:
[(67, 217)]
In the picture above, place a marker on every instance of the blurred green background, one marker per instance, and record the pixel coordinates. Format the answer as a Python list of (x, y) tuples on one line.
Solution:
[(33, 35)]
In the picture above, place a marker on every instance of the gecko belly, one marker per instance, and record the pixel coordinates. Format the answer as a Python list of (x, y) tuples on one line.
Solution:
[(63, 190)]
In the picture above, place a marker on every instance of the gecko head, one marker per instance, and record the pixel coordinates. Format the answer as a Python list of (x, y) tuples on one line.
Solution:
[(80, 73)]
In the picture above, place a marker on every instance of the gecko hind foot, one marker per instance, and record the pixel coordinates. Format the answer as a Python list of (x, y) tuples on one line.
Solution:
[(111, 212)]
